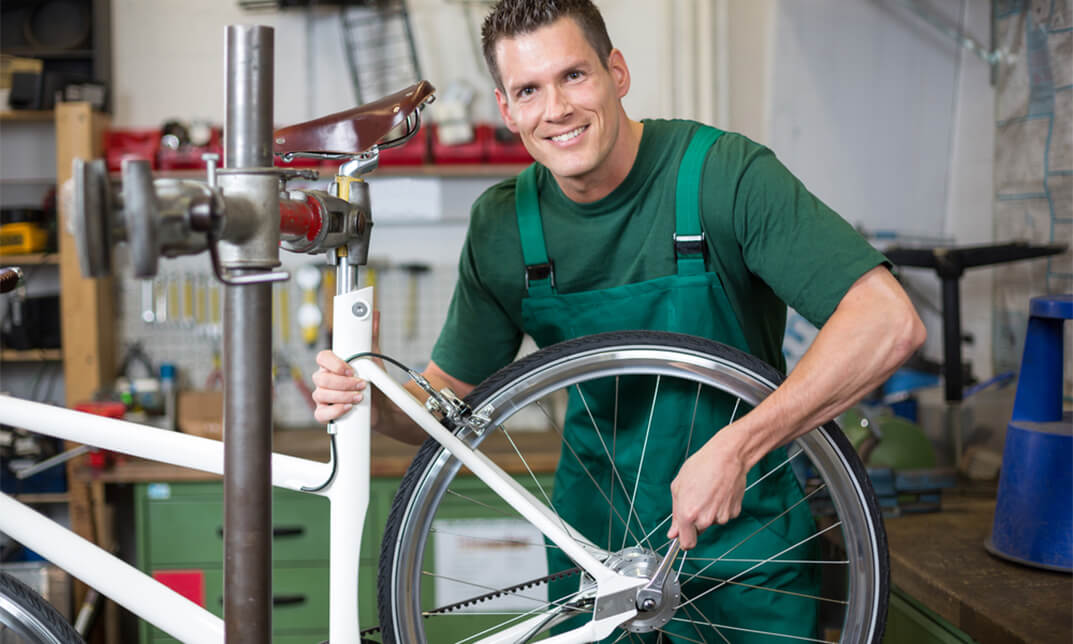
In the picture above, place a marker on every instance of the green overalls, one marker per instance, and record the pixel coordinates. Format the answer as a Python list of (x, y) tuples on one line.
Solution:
[(692, 301)]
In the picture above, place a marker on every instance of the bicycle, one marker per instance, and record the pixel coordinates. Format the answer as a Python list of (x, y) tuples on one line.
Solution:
[(629, 584)]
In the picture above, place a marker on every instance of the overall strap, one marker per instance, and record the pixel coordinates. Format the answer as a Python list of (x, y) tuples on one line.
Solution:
[(689, 242), (539, 272)]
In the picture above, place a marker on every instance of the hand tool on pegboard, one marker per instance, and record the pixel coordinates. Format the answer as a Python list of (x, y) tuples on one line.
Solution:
[(413, 272), (308, 278)]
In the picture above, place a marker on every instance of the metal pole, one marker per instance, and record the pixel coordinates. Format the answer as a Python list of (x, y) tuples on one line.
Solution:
[(248, 340)]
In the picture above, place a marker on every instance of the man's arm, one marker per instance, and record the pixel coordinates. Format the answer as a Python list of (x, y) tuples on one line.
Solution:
[(338, 389), (871, 333)]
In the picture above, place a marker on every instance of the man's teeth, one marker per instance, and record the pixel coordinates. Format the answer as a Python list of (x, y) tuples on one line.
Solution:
[(568, 135)]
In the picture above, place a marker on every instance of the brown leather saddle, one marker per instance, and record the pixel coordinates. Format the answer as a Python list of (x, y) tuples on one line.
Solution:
[(353, 131)]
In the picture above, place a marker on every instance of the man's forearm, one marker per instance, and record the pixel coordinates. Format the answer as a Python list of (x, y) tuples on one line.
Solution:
[(871, 333), (389, 420)]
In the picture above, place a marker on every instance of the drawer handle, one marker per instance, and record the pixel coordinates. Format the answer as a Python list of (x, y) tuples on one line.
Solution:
[(288, 600), (278, 531), (282, 600)]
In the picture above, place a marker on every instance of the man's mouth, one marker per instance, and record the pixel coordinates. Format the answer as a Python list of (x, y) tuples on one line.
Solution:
[(562, 138)]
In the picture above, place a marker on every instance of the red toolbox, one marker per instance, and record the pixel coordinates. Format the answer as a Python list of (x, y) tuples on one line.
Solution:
[(120, 145)]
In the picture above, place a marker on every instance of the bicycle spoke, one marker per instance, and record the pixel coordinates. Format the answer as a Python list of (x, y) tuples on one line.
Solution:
[(482, 503), (775, 469), (773, 590), (536, 481), (706, 621), (513, 542), (805, 540), (680, 636), (611, 460), (614, 441), (816, 562), (650, 532), (692, 422), (644, 448), (756, 532), (599, 489), (750, 630)]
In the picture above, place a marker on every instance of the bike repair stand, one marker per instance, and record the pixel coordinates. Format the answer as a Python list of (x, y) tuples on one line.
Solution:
[(243, 214)]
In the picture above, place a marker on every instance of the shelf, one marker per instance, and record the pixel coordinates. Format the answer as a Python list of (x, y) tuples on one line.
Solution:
[(476, 170), (27, 115), (50, 54), (44, 497), (461, 170), (36, 258), (31, 355)]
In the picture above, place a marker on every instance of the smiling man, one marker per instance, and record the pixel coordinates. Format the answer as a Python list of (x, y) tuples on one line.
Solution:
[(598, 235)]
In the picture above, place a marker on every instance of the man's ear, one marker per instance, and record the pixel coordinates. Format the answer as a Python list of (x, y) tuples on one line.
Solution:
[(504, 111), (616, 64)]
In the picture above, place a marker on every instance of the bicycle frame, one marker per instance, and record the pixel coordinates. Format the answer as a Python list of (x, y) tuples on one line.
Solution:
[(347, 492)]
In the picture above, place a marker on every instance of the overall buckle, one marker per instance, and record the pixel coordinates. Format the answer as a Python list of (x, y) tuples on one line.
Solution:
[(540, 272), (690, 245)]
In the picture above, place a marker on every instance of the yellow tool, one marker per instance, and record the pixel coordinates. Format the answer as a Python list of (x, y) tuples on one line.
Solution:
[(22, 237), (188, 298), (284, 314)]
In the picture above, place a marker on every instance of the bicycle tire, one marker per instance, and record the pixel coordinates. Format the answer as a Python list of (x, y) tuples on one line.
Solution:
[(30, 617), (401, 582)]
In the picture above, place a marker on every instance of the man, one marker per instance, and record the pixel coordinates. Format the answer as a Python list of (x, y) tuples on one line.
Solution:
[(584, 241)]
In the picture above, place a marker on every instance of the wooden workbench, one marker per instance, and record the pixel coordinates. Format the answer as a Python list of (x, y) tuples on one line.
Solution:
[(390, 458), (939, 559)]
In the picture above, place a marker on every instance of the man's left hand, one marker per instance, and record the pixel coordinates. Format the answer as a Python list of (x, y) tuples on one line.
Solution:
[(708, 489)]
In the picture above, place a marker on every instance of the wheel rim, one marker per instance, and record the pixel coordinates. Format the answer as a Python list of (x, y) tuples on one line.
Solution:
[(24, 623), (858, 525)]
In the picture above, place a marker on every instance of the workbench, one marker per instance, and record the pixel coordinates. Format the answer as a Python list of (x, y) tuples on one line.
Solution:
[(939, 560)]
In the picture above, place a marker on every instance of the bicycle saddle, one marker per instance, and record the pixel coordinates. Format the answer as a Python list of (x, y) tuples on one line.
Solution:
[(353, 131)]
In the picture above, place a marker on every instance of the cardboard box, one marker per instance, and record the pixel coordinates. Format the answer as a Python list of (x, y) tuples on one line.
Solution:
[(201, 413)]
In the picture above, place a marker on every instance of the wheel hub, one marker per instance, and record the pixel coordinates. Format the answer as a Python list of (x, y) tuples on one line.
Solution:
[(642, 563)]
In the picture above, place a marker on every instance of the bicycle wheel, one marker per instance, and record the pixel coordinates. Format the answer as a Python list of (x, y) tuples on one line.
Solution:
[(30, 618), (446, 575)]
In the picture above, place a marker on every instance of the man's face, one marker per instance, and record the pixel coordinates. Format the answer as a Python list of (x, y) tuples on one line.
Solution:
[(560, 99)]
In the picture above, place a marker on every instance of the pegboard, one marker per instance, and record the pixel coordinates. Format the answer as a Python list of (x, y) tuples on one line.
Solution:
[(177, 317)]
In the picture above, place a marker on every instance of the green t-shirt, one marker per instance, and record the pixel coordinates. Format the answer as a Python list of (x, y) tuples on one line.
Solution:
[(771, 241)]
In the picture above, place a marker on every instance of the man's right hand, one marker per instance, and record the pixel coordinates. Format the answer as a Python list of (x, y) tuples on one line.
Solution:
[(338, 388)]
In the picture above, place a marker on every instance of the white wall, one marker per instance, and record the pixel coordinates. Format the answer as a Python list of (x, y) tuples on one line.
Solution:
[(168, 56)]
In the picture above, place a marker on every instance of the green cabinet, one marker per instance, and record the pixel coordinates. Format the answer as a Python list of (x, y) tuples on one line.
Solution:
[(910, 622), (179, 534)]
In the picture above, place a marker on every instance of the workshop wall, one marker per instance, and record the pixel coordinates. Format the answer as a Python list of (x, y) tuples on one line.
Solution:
[(1034, 161), (890, 122), (169, 55), (846, 78)]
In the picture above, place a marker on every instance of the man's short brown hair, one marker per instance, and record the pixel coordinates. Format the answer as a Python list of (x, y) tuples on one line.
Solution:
[(510, 18)]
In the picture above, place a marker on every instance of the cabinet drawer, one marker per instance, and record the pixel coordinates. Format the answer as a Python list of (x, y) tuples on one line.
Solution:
[(182, 525), (302, 596), (190, 532)]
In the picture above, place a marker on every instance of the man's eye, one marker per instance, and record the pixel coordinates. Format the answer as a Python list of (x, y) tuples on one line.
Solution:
[(575, 75), (526, 91)]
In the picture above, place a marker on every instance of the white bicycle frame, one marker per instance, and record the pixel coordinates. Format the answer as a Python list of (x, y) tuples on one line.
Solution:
[(347, 492)]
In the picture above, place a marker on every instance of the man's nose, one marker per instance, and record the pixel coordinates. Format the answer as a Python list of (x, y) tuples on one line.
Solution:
[(557, 106)]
